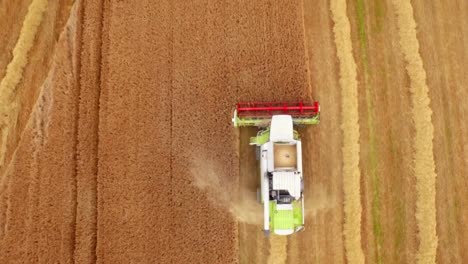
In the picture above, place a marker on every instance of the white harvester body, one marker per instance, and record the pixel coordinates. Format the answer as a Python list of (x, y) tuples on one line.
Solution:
[(281, 178), (279, 152)]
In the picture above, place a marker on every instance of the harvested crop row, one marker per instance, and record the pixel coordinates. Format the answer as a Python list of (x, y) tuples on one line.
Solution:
[(12, 14), (350, 127), (424, 166), (278, 250), (14, 72)]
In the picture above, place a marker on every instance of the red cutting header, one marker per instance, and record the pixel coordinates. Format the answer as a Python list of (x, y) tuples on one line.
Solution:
[(258, 109)]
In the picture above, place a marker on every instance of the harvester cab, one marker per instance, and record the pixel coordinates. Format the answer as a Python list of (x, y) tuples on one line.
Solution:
[(279, 152)]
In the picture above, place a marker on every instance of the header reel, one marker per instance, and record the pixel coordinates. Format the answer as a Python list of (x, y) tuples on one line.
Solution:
[(259, 113)]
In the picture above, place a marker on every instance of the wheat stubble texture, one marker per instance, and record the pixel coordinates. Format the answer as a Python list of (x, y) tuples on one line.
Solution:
[(350, 127), (424, 166)]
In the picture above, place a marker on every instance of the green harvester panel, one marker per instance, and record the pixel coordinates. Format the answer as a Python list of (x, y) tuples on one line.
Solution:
[(297, 208), (281, 219)]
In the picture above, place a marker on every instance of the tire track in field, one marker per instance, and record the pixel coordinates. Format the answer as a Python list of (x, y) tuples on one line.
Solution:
[(350, 127), (14, 72), (424, 166), (89, 43)]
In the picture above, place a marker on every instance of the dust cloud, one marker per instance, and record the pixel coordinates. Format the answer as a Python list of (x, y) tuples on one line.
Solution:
[(318, 200), (240, 202)]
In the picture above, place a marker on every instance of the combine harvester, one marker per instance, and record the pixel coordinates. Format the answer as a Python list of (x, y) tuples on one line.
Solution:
[(280, 155)]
